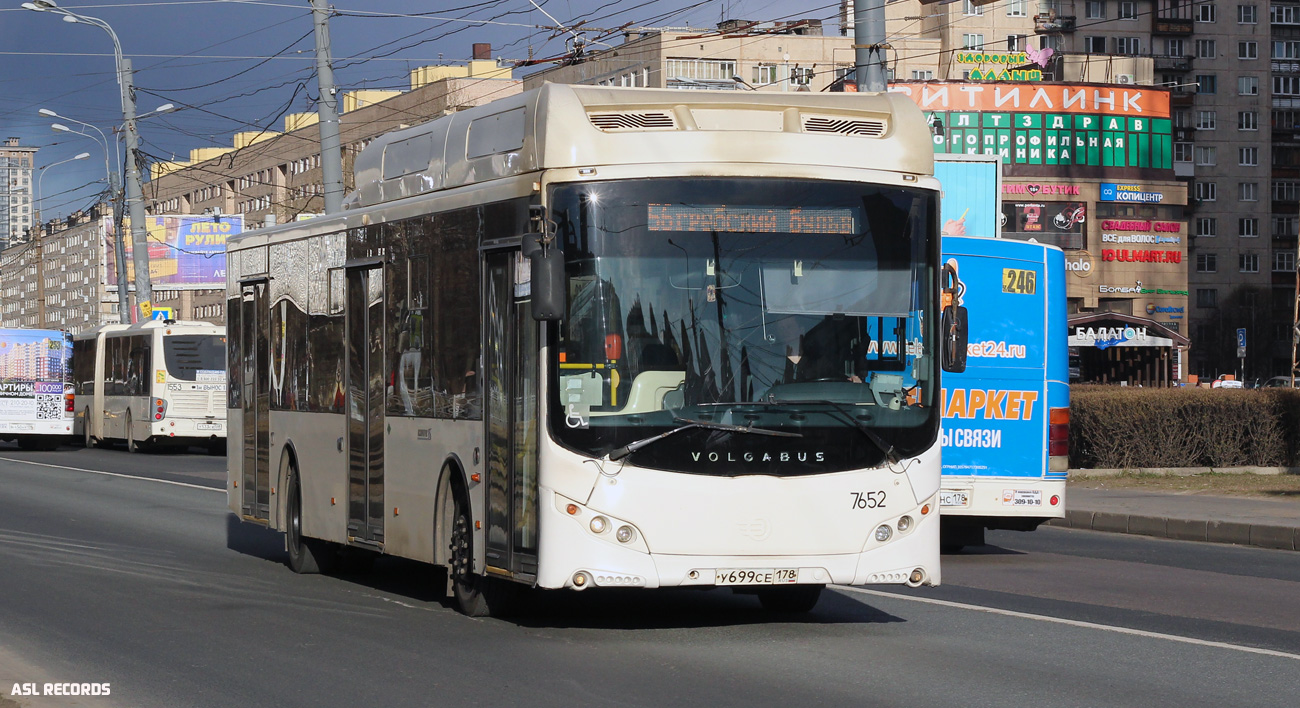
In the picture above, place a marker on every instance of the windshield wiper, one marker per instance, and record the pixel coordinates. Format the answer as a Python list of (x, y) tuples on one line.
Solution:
[(688, 424), (847, 412)]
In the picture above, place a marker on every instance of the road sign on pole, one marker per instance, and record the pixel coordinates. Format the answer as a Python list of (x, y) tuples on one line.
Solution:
[(1241, 338)]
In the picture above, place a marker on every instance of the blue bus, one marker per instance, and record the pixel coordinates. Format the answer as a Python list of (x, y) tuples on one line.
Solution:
[(1006, 391)]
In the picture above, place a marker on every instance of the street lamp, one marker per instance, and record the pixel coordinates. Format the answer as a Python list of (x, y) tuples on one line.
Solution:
[(40, 193), (119, 248), (134, 184)]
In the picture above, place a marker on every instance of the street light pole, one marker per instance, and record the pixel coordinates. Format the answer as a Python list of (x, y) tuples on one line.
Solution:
[(40, 238), (134, 186), (114, 189)]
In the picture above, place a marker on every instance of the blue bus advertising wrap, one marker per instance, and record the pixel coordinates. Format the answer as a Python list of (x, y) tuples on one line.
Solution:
[(1005, 382)]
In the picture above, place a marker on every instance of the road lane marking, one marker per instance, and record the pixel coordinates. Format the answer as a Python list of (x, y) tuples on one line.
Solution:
[(115, 474), (1076, 623)]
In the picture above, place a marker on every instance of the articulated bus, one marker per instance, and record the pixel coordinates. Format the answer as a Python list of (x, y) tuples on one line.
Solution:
[(600, 337), (36, 401), (159, 382)]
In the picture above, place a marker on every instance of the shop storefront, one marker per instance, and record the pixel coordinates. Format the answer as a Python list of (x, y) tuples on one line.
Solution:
[(1113, 348)]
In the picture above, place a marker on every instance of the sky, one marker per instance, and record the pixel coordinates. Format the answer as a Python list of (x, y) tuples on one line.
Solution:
[(238, 65)]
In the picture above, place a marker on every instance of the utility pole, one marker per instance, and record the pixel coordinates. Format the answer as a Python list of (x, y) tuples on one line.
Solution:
[(119, 251), (869, 44), (135, 196), (331, 153)]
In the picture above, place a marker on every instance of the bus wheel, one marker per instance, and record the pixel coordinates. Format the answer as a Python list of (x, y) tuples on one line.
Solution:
[(792, 599), (306, 555), (469, 587), (87, 439)]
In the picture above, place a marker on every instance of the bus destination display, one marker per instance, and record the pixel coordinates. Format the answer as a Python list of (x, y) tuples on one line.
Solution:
[(741, 219)]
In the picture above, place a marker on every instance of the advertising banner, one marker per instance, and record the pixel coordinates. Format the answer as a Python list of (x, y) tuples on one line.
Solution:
[(994, 399), (970, 195), (185, 252), (34, 375), (1056, 130), (1059, 224)]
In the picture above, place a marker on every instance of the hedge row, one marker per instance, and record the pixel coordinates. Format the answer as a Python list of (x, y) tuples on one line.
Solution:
[(1122, 428)]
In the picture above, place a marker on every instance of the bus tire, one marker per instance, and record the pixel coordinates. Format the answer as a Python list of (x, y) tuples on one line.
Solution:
[(791, 600), (307, 556), (88, 441), (131, 444), (468, 588)]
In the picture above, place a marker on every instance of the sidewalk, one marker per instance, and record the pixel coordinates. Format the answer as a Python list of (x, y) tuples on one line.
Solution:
[(1247, 521)]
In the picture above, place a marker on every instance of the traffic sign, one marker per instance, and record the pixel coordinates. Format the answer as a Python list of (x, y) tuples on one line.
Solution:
[(163, 313), (1241, 338)]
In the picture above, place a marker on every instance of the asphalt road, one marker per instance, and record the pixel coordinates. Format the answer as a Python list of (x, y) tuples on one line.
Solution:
[(152, 588)]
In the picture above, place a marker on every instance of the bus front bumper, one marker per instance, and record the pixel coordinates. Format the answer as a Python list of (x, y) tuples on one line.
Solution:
[(577, 559)]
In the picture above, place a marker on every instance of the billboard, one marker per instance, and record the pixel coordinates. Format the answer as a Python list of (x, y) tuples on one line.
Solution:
[(970, 194), (35, 373), (186, 252), (1056, 130)]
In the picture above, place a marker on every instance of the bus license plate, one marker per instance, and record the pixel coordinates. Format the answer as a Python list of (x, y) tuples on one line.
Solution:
[(950, 497), (757, 576), (209, 426)]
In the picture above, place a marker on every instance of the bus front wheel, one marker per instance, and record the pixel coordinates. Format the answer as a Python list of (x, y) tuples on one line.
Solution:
[(468, 587)]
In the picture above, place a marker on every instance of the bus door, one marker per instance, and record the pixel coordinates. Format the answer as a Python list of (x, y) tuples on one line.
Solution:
[(510, 353), (365, 402), (255, 340)]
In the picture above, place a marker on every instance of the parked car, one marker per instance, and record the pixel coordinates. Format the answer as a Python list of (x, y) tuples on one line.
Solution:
[(1278, 382), (1221, 382)]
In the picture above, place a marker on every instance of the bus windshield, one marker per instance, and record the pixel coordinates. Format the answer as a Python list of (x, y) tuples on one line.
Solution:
[(195, 357), (794, 307)]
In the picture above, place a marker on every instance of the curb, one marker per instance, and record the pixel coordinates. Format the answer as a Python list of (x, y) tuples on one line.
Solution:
[(1181, 471), (1242, 534)]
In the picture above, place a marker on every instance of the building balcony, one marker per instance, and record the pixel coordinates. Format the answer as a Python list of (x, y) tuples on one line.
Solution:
[(1171, 63), (1052, 23), (1284, 67), (1182, 99), (1171, 26), (1286, 101)]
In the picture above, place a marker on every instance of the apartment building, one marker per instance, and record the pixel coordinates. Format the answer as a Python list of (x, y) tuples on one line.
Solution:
[(17, 211), (56, 280)]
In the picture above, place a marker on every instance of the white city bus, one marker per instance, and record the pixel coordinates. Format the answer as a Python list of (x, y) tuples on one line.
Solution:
[(160, 382), (594, 337)]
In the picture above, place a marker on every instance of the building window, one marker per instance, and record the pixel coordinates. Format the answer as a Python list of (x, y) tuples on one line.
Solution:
[(1094, 45), (972, 41), (1284, 14), (1017, 8), (1248, 227), (1128, 10), (1206, 49), (1286, 85), (1206, 12), (1015, 43), (1247, 120), (1283, 49), (1182, 152), (970, 8), (1247, 50), (1095, 10), (1182, 118), (700, 73), (1247, 15), (1207, 191), (1206, 120), (922, 74), (1207, 297), (1175, 47), (1206, 83), (1285, 226), (1207, 226), (1286, 191), (1248, 85), (1248, 263), (764, 75), (1284, 262), (1248, 191), (1207, 263), (1248, 156), (1128, 45)]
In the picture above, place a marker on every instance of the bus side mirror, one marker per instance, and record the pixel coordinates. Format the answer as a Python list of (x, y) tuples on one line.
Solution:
[(547, 276)]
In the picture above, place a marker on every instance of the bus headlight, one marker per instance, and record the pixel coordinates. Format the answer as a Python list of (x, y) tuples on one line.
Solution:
[(625, 534), (883, 532), (599, 524), (904, 523)]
